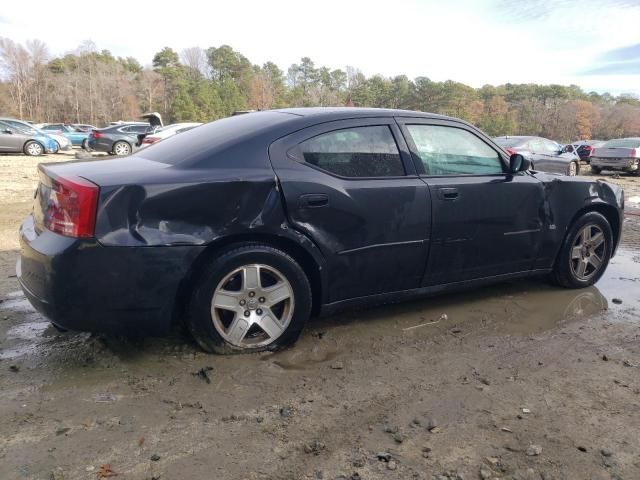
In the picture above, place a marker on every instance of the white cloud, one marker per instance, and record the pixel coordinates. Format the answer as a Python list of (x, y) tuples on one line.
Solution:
[(474, 42)]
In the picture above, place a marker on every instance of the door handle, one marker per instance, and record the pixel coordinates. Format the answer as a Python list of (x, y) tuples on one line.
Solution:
[(313, 200), (450, 193)]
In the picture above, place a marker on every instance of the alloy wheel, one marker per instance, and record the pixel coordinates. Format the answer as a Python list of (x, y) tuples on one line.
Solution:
[(588, 252), (573, 170), (252, 306), (122, 148), (34, 149)]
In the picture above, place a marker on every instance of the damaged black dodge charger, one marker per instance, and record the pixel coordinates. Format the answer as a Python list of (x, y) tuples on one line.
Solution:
[(246, 226)]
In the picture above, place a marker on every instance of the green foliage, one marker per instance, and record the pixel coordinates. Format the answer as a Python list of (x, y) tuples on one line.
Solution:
[(97, 85)]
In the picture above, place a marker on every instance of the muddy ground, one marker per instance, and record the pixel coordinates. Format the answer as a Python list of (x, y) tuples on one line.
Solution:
[(517, 381)]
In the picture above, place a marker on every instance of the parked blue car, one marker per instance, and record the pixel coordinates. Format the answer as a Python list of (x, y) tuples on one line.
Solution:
[(77, 137)]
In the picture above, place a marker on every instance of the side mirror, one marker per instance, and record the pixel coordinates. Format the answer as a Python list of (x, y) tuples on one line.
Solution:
[(7, 130), (518, 163)]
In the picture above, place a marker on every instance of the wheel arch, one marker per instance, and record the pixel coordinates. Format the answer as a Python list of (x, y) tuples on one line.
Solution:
[(24, 145), (607, 211), (299, 253)]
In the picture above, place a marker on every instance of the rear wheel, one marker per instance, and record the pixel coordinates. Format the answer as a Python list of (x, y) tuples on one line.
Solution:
[(585, 252), (57, 149), (85, 144), (33, 148), (121, 148), (250, 298)]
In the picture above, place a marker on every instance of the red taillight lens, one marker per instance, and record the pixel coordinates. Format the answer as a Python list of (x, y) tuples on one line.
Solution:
[(71, 207), (96, 134), (150, 140)]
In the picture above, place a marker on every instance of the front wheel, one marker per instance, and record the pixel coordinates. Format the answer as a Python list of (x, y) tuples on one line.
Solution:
[(250, 298), (585, 252), (573, 169), (121, 148), (33, 148)]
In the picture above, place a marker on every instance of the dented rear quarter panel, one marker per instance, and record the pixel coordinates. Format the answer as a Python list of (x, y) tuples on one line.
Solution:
[(565, 199)]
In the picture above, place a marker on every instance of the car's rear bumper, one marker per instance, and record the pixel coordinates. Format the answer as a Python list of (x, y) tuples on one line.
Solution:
[(101, 145), (622, 164), (82, 285)]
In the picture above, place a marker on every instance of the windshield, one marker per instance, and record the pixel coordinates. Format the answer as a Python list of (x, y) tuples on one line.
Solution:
[(623, 143), (201, 143)]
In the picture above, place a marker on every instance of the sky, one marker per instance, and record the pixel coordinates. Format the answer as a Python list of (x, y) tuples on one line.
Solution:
[(591, 43)]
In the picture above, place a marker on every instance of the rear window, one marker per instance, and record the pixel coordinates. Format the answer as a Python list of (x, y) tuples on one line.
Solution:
[(355, 152), (201, 143), (623, 143)]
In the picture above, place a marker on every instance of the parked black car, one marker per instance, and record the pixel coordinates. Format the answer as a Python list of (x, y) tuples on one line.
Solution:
[(248, 225), (118, 139), (544, 154), (583, 148)]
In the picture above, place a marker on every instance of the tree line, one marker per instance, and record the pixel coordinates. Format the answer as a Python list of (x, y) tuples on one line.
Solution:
[(196, 84)]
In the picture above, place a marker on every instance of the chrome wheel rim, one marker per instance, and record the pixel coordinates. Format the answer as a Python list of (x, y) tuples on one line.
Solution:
[(588, 252), (34, 149), (122, 149), (572, 169), (252, 306)]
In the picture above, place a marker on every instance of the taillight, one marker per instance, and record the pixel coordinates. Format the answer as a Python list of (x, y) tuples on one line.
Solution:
[(96, 134), (150, 140), (71, 207)]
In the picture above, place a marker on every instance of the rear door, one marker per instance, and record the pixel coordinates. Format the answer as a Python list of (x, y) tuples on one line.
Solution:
[(485, 221), (351, 187)]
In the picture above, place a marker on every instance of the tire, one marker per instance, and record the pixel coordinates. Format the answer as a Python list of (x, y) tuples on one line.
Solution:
[(236, 324), (33, 148), (85, 144), (57, 147), (577, 252), (596, 170), (573, 169), (121, 148)]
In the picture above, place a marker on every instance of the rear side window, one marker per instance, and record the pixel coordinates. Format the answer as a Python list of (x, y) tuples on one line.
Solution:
[(453, 151), (358, 152)]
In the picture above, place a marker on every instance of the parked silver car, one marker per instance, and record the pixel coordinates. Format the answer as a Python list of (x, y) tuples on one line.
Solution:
[(63, 142), (544, 154), (15, 140), (621, 154)]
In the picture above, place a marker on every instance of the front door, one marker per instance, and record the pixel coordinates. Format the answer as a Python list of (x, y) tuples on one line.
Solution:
[(350, 187), (485, 221)]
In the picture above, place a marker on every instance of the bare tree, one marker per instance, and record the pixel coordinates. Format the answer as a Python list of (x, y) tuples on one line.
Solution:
[(195, 58)]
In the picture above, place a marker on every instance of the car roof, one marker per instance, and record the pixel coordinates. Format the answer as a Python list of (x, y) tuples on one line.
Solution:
[(337, 113), (520, 137)]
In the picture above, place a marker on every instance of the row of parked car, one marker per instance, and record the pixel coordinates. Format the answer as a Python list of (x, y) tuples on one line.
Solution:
[(622, 154), (119, 138), (123, 138)]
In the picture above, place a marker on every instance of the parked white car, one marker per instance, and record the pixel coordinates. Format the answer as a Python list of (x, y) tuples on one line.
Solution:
[(165, 132)]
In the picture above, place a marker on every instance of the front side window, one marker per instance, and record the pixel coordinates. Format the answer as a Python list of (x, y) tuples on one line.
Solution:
[(355, 152), (453, 151)]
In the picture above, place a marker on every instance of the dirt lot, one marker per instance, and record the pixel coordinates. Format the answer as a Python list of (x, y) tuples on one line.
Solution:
[(518, 381)]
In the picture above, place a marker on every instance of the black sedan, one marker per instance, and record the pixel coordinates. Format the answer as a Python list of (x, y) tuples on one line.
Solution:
[(117, 139), (246, 226)]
